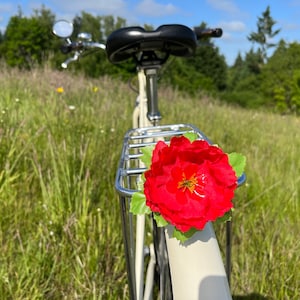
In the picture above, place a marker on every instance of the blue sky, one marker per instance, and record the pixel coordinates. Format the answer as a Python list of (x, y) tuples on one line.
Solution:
[(237, 18)]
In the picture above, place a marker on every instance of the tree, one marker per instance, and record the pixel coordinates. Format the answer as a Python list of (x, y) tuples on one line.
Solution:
[(27, 41), (244, 80), (244, 86), (97, 64), (265, 33), (1, 43), (281, 78), (206, 70), (254, 61), (110, 24), (236, 72), (88, 23)]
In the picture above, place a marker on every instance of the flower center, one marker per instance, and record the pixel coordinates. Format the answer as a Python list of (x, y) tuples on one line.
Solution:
[(186, 183)]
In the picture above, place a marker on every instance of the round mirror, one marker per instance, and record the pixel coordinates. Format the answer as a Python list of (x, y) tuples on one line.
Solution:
[(63, 28)]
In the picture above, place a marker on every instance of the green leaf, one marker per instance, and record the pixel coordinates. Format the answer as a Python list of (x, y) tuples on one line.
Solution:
[(226, 217), (192, 136), (140, 182), (138, 204), (147, 155), (160, 221), (238, 163), (183, 236)]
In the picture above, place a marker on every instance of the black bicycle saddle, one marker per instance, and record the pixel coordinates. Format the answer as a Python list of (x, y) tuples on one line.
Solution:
[(124, 43)]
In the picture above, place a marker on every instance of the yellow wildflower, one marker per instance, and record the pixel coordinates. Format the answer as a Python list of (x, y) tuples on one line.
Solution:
[(60, 89)]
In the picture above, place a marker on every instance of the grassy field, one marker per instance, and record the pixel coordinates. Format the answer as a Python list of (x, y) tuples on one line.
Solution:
[(60, 234)]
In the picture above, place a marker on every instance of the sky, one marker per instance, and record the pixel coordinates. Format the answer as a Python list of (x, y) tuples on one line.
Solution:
[(237, 18)]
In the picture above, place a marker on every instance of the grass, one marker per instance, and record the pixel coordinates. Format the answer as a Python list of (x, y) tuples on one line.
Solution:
[(60, 234)]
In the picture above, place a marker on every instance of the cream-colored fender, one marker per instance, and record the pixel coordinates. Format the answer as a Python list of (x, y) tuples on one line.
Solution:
[(196, 266)]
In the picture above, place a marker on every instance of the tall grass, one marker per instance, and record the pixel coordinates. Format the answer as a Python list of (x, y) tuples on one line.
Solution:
[(60, 232)]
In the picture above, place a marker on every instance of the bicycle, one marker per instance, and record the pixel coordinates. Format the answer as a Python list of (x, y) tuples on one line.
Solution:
[(155, 267)]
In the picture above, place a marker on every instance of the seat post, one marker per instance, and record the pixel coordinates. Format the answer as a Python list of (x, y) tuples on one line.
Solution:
[(152, 95)]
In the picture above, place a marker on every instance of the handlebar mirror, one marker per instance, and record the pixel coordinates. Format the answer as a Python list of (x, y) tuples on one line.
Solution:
[(63, 28)]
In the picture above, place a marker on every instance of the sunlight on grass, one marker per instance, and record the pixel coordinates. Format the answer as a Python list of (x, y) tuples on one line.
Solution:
[(60, 221)]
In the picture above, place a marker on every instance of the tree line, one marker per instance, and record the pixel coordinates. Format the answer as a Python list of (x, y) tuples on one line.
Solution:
[(254, 80)]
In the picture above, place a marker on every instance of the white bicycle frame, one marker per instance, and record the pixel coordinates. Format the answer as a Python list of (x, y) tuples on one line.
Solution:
[(140, 120), (197, 269)]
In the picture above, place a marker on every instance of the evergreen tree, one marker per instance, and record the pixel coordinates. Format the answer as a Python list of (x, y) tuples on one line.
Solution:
[(206, 70), (244, 80), (281, 78), (236, 72), (254, 61), (99, 27), (265, 33)]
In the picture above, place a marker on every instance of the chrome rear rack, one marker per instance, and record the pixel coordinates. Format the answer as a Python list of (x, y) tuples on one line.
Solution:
[(130, 167), (128, 180)]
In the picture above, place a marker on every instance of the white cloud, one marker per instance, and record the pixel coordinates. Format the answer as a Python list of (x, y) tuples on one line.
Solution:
[(289, 26), (226, 36), (236, 26), (155, 9), (67, 9), (227, 6), (98, 7)]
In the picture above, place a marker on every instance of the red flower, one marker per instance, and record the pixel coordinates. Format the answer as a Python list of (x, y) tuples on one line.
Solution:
[(189, 183)]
